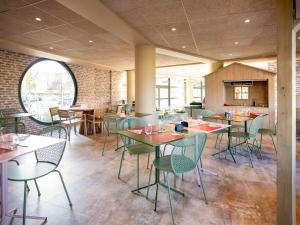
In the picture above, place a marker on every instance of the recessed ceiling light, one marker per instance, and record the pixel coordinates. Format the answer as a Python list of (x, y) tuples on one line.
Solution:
[(247, 21), (90, 41), (38, 19), (183, 46), (51, 48), (230, 54), (236, 43), (173, 29)]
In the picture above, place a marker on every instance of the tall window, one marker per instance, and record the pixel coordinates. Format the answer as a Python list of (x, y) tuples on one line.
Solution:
[(45, 84), (162, 93), (198, 90), (241, 93)]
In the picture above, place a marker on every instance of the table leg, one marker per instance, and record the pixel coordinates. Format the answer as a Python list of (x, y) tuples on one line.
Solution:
[(229, 147), (245, 125), (4, 191), (16, 125)]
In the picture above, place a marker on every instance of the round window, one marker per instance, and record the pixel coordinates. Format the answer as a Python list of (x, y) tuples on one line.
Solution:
[(45, 84)]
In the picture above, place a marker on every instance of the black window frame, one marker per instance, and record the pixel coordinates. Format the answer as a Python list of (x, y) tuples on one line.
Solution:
[(23, 75)]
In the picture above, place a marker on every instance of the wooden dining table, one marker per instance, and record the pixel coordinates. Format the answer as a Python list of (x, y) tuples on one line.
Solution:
[(84, 111), (8, 151), (157, 138)]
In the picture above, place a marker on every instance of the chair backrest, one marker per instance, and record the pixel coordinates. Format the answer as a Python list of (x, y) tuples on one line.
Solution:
[(52, 154), (254, 126), (222, 110), (119, 109), (54, 114), (184, 158), (12, 126), (111, 122), (131, 123), (206, 112)]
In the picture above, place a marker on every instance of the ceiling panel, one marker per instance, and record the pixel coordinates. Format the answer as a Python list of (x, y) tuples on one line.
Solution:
[(208, 28), (55, 9), (29, 13)]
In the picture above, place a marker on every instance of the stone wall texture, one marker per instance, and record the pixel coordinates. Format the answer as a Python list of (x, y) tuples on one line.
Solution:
[(95, 87)]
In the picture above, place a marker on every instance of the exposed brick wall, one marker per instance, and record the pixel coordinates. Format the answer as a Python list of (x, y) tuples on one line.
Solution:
[(93, 84)]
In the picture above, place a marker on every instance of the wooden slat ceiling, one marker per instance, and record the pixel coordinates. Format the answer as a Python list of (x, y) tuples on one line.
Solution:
[(64, 32), (207, 27)]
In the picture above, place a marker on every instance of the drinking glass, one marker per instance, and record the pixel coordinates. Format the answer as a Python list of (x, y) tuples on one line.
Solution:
[(148, 129)]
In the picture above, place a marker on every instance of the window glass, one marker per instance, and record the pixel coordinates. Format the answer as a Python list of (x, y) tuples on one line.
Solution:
[(46, 84), (241, 93)]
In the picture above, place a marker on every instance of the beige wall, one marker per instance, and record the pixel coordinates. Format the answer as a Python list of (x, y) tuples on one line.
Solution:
[(215, 89)]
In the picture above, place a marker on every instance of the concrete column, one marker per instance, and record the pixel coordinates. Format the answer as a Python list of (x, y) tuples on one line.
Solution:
[(130, 85), (145, 79)]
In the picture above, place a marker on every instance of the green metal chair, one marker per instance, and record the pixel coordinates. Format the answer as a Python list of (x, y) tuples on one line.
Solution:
[(47, 161), (13, 127), (133, 147), (249, 138), (111, 123), (181, 160), (270, 132)]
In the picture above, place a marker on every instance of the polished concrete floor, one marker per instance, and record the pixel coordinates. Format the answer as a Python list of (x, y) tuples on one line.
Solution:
[(238, 194)]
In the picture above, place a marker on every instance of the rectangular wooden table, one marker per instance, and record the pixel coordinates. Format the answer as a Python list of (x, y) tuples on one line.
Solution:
[(156, 139), (30, 144)]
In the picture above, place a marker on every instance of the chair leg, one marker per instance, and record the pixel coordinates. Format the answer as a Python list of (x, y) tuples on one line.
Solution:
[(217, 140), (202, 184), (148, 160), (150, 173), (24, 203), (249, 153), (117, 141), (105, 139), (175, 179), (37, 187), (63, 183), (259, 149), (122, 157), (170, 200), (156, 194), (75, 131), (164, 149), (273, 144), (27, 186), (138, 172)]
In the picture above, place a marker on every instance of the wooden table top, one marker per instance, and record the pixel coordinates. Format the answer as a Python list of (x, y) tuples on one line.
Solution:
[(30, 144), (81, 109), (234, 118)]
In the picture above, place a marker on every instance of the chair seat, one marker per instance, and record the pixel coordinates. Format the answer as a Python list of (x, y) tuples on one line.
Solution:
[(164, 163), (71, 122), (139, 149), (266, 131), (30, 171)]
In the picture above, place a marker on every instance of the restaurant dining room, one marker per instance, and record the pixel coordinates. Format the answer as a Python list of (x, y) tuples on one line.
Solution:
[(149, 112)]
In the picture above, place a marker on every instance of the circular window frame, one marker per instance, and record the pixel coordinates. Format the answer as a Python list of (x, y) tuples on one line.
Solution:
[(21, 81)]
